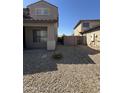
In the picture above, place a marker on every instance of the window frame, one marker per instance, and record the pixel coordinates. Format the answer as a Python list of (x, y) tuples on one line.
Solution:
[(37, 38), (41, 11), (84, 24)]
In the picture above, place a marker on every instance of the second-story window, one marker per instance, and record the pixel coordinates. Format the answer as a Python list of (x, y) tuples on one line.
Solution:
[(86, 25), (42, 11)]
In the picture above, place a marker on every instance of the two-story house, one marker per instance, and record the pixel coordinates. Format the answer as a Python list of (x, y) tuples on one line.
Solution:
[(40, 25), (90, 31), (84, 25)]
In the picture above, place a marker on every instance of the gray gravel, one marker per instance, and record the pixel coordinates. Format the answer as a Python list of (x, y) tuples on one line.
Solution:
[(77, 72)]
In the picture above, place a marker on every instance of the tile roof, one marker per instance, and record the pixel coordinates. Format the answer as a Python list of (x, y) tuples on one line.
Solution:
[(39, 21), (27, 18)]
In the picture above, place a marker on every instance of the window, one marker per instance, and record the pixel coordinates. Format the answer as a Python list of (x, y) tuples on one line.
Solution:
[(46, 11), (40, 35), (85, 24), (42, 11)]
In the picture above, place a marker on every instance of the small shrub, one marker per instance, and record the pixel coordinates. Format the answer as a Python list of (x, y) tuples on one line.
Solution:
[(57, 56)]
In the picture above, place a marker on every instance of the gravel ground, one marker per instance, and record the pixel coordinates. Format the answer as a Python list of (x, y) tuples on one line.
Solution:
[(77, 72)]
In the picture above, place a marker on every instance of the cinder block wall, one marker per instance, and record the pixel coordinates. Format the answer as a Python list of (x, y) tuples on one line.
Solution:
[(73, 40)]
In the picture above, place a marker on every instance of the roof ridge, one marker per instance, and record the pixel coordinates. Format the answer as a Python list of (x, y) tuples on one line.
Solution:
[(42, 1)]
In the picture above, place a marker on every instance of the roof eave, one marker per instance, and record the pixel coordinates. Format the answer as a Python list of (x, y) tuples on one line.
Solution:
[(39, 21), (97, 28), (77, 24), (86, 20)]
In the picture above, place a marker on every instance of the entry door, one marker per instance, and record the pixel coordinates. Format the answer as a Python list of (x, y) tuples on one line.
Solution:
[(40, 37)]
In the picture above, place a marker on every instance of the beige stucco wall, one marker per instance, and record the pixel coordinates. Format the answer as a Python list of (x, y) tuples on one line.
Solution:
[(91, 24), (52, 27), (77, 30), (29, 39), (51, 42), (95, 42), (52, 38), (51, 35), (53, 11), (80, 27)]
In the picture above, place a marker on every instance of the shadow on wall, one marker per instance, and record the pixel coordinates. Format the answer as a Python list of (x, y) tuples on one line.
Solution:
[(84, 40), (34, 63)]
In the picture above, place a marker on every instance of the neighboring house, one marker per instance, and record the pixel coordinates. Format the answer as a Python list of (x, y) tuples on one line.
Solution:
[(40, 25), (90, 31), (91, 37), (84, 25)]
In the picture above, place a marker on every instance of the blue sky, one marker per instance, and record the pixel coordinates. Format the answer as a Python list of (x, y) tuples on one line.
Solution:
[(71, 11)]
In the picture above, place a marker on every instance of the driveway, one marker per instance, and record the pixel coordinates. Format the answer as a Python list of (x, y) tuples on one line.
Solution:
[(77, 72)]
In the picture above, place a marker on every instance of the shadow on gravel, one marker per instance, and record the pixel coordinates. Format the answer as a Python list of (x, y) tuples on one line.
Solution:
[(34, 63), (37, 67), (78, 55)]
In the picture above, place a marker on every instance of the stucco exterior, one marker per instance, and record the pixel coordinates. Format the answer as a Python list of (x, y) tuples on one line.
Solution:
[(92, 39), (49, 21), (53, 10), (80, 28), (51, 35), (77, 30)]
